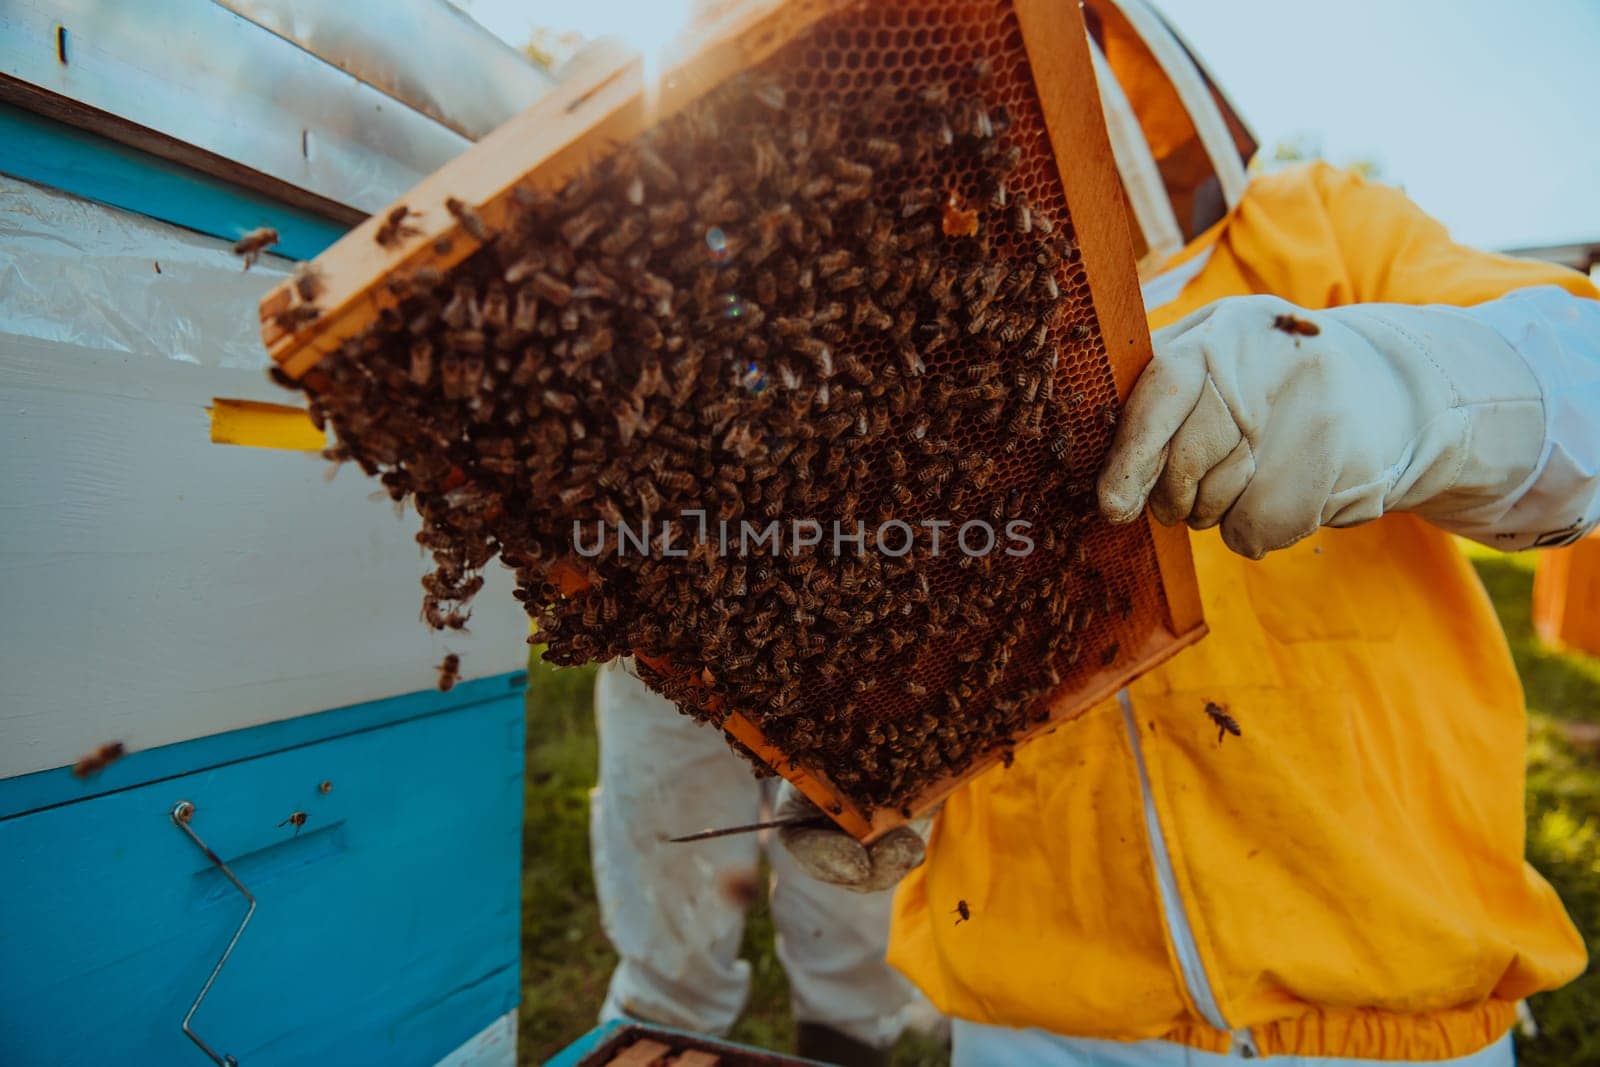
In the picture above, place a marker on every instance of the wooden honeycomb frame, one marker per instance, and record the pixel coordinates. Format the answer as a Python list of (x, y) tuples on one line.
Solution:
[(609, 100)]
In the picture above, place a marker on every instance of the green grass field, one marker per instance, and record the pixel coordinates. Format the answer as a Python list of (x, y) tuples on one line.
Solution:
[(566, 960)]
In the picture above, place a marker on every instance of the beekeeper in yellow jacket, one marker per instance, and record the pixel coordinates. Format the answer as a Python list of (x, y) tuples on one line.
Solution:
[(1337, 389)]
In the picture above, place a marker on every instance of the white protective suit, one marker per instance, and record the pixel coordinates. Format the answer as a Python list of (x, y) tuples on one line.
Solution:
[(675, 912)]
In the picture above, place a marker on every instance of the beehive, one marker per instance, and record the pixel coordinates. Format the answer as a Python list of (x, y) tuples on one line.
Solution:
[(845, 262)]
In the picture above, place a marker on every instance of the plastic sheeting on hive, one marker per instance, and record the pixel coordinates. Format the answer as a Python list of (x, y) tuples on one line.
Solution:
[(150, 595)]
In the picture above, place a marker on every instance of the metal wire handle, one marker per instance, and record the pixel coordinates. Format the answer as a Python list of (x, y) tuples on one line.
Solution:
[(182, 812)]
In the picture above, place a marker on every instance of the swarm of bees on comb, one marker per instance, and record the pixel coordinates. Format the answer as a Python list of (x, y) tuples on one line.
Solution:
[(820, 292)]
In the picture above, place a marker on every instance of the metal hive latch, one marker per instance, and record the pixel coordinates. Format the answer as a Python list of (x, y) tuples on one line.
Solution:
[(182, 812)]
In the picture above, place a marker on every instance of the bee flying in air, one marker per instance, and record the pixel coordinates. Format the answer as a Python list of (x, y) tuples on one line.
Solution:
[(252, 244)]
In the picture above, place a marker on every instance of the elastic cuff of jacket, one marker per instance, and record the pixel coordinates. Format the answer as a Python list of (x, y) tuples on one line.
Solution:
[(1557, 335)]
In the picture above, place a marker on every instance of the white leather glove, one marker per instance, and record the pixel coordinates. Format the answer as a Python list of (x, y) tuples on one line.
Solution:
[(830, 855), (1273, 420)]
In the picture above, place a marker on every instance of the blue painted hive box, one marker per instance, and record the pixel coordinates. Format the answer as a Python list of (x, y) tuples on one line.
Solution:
[(278, 692)]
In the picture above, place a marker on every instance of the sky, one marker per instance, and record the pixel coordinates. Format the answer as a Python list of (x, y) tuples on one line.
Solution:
[(1487, 112)]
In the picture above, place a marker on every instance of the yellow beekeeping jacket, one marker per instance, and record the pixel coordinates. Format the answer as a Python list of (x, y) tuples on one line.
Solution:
[(1352, 865)]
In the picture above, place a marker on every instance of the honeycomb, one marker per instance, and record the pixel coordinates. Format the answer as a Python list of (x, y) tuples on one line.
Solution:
[(843, 287)]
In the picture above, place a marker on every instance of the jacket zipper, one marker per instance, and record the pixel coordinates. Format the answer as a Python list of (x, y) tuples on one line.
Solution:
[(1174, 915)]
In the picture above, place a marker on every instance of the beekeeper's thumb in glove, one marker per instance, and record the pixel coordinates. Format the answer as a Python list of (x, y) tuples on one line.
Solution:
[(828, 854)]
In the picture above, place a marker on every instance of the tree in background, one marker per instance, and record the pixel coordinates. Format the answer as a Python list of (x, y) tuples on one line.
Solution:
[(1304, 147)]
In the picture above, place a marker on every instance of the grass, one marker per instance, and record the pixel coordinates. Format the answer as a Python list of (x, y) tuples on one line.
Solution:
[(566, 960), (1563, 805)]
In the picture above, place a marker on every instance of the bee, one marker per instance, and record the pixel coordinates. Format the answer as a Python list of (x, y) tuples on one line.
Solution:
[(1022, 215), (596, 342), (565, 403), (847, 279), (998, 196), (577, 230), (394, 227), (963, 910), (916, 200), (296, 819), (433, 614), (99, 759), (872, 317), (849, 171), (252, 244), (462, 309), (850, 194), (291, 319), (937, 472), (469, 219), (524, 267), (856, 370), (620, 239), (817, 188), (449, 672), (307, 281), (552, 289), (1028, 385), (1225, 723), (573, 495), (767, 161), (664, 220), (942, 284), (655, 167), (769, 93), (656, 290), (1289, 324), (715, 203), (978, 124), (881, 245), (830, 263)]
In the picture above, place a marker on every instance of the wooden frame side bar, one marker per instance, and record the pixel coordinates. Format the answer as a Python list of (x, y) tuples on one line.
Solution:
[(1057, 44)]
